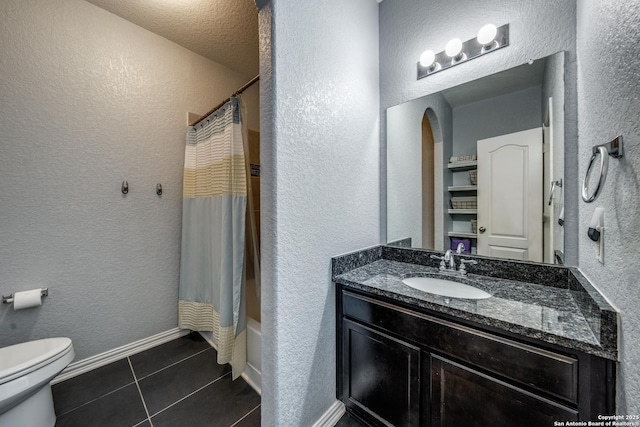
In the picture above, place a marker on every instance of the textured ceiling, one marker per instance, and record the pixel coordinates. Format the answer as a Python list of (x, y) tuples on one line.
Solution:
[(225, 31)]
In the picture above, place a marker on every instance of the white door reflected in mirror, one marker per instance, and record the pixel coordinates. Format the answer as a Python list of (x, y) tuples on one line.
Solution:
[(510, 196)]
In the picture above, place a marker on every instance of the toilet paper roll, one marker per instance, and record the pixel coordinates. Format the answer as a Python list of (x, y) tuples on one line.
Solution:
[(26, 299)]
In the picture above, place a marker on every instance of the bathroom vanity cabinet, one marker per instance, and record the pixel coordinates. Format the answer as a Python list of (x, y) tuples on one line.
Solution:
[(402, 365)]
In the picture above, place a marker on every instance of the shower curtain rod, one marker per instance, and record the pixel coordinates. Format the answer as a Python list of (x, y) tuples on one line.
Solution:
[(238, 92)]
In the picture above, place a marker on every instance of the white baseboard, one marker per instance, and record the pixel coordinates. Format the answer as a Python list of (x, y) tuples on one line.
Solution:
[(102, 359), (331, 415)]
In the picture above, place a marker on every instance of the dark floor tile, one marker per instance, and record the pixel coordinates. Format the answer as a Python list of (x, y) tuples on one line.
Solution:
[(251, 420), (84, 388), (143, 424), (219, 404), (156, 358), (172, 384), (121, 408), (348, 420)]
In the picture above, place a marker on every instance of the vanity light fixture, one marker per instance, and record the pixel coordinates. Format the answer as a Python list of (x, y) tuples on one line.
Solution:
[(489, 39), (428, 60), (454, 50)]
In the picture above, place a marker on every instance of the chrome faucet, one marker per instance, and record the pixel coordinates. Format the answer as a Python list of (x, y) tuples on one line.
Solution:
[(448, 257)]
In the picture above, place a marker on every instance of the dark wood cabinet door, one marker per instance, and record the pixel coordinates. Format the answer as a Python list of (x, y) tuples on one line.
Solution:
[(461, 396), (381, 377)]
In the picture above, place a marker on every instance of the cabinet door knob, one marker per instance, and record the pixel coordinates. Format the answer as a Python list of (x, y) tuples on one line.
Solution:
[(482, 229)]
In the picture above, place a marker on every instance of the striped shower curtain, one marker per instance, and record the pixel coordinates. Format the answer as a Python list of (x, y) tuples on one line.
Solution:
[(212, 296)]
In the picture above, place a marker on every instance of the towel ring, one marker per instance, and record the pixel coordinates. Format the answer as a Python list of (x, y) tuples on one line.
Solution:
[(613, 149), (604, 166), (554, 184)]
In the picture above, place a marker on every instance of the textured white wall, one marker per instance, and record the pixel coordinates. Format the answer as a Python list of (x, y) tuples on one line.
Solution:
[(90, 100), (536, 29), (408, 27), (323, 173), (609, 105)]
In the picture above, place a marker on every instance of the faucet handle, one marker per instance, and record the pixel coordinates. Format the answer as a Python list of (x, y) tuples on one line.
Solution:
[(443, 266), (462, 269)]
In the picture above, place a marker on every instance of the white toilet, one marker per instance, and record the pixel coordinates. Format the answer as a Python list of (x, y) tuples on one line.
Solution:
[(25, 372)]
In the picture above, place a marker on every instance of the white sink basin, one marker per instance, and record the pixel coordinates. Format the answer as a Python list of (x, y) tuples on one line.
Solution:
[(446, 288)]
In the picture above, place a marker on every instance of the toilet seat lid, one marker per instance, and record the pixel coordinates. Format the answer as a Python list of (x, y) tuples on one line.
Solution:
[(24, 356)]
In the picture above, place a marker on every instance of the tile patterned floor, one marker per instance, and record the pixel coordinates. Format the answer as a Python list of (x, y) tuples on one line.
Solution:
[(177, 383)]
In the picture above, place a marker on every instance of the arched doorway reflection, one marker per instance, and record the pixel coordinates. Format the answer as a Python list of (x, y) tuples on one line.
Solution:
[(431, 200)]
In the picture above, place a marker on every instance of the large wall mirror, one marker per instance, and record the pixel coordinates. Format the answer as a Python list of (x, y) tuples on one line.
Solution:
[(482, 165)]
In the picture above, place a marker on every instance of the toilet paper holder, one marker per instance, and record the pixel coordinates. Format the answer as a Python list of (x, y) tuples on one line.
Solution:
[(8, 299)]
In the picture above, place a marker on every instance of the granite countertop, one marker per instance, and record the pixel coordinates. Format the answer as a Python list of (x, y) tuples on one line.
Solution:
[(553, 314)]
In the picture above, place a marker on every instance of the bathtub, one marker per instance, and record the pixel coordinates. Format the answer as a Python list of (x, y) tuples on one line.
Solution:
[(253, 371)]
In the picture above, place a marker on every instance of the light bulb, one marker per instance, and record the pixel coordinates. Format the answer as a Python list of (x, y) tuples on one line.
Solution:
[(487, 34), (427, 58), (453, 48)]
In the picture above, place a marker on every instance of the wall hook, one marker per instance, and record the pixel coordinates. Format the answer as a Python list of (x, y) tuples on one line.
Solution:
[(159, 189), (125, 187)]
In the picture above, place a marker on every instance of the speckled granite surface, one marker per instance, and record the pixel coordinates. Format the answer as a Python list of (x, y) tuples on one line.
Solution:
[(552, 304)]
